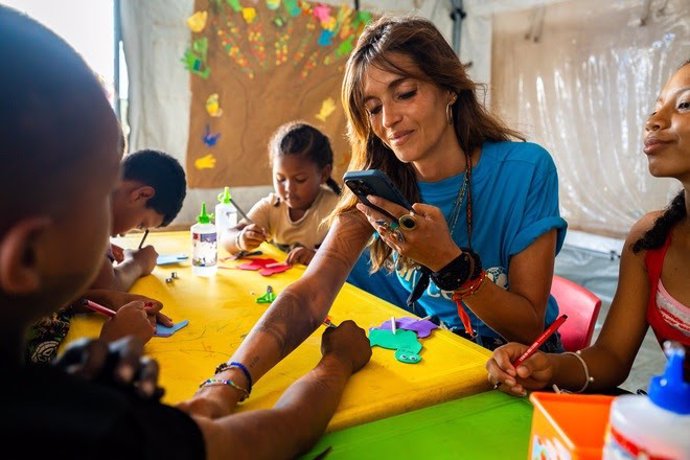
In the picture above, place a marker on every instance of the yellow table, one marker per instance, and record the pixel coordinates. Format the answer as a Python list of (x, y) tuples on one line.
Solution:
[(221, 310)]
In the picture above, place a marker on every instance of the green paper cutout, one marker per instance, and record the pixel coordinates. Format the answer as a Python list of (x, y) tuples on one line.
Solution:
[(235, 5), (345, 47), (407, 356), (364, 16), (268, 297), (200, 47), (402, 339), (194, 64), (292, 8)]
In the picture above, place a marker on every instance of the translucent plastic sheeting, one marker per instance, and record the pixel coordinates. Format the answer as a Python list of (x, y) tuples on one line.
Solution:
[(580, 78)]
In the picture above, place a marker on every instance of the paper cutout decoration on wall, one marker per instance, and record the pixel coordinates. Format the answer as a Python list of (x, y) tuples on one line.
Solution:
[(249, 14), (327, 108), (205, 162), (213, 106), (273, 4), (210, 139), (275, 62), (197, 21)]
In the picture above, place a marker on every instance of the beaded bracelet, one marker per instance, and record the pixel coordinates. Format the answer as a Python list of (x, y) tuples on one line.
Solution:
[(470, 287), (218, 382), (225, 366), (588, 378)]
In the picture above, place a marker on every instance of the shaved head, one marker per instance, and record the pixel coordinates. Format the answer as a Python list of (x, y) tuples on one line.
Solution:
[(52, 112)]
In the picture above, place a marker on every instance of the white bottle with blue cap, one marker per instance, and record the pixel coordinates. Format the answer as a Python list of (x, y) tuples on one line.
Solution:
[(654, 426)]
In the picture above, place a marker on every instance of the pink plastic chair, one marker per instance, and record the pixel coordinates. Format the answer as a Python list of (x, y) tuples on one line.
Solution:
[(582, 308)]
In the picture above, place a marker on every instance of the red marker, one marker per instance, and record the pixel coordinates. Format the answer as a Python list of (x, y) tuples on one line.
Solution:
[(548, 332), (98, 308)]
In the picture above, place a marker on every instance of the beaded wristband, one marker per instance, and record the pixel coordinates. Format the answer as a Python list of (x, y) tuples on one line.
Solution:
[(225, 366), (218, 382), (588, 378), (470, 287)]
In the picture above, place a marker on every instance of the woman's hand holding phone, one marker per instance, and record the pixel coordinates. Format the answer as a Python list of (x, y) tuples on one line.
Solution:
[(429, 242)]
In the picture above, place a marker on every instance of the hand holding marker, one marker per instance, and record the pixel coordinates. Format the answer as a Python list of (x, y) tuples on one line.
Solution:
[(537, 343)]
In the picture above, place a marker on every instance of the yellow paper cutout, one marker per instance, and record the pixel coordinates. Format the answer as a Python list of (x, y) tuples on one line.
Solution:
[(213, 106), (249, 14), (329, 24), (327, 108), (197, 21), (205, 162)]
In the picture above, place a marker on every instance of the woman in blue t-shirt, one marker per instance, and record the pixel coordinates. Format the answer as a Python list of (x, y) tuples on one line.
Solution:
[(486, 224), (477, 252), (414, 114)]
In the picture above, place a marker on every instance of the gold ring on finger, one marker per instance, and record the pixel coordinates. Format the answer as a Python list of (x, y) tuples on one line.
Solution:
[(407, 222)]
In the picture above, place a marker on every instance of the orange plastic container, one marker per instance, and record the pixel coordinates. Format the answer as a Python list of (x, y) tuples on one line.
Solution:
[(568, 426)]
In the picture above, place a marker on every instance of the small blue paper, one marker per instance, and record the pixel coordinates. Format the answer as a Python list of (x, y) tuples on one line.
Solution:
[(165, 331), (169, 259)]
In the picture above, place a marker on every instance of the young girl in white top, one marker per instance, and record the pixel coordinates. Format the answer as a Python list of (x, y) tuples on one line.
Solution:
[(305, 194)]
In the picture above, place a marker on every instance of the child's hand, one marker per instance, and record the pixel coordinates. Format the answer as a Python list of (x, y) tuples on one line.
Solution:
[(348, 343), (145, 257), (300, 255), (251, 237), (533, 374), (130, 319), (116, 299)]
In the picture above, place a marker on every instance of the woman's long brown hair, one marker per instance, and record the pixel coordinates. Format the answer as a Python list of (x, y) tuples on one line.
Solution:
[(437, 63)]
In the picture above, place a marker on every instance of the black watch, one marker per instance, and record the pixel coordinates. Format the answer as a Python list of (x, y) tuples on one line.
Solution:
[(464, 267)]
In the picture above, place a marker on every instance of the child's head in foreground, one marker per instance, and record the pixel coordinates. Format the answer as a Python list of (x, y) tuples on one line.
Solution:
[(151, 191), (60, 154), (302, 160)]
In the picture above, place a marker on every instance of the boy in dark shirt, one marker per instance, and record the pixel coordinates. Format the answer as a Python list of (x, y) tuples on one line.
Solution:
[(58, 133)]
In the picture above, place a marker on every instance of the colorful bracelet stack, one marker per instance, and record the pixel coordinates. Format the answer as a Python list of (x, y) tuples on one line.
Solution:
[(233, 365)]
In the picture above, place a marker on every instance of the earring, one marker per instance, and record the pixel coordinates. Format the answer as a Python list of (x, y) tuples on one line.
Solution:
[(449, 109)]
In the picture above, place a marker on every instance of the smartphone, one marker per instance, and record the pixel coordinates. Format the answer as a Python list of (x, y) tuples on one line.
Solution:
[(375, 182)]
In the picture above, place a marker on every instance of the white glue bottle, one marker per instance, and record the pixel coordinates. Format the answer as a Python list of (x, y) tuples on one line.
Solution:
[(226, 213), (204, 245), (654, 426)]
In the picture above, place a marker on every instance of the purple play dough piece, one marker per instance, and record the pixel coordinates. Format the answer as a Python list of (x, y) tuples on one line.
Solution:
[(421, 327)]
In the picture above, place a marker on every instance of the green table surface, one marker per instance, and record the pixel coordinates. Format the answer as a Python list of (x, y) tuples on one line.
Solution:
[(489, 425)]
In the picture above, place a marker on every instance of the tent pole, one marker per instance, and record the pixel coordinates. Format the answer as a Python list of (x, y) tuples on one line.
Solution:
[(457, 14), (117, 38)]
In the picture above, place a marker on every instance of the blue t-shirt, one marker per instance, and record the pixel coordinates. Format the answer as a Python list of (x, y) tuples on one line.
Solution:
[(514, 201)]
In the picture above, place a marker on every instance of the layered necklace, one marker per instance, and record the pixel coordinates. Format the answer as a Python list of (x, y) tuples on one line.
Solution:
[(452, 219)]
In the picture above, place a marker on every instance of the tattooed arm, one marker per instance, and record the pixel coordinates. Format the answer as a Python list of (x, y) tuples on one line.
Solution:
[(294, 315)]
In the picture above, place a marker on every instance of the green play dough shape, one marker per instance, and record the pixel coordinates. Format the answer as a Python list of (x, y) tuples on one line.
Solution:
[(401, 339)]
